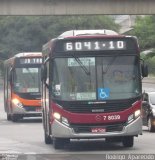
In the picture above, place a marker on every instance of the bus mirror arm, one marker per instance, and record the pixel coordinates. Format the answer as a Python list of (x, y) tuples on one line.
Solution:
[(10, 75), (47, 85), (43, 73)]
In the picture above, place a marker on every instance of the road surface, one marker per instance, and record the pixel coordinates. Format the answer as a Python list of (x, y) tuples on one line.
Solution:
[(24, 140)]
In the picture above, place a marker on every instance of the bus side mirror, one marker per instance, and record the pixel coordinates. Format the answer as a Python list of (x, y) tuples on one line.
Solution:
[(144, 69), (144, 103), (43, 73)]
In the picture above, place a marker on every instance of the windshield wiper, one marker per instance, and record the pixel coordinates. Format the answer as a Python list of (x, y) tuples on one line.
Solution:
[(104, 71), (82, 66)]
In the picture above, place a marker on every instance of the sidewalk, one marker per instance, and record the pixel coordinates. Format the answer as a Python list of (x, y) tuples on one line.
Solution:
[(148, 80)]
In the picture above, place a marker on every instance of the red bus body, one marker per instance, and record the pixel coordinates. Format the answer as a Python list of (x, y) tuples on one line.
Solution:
[(106, 106)]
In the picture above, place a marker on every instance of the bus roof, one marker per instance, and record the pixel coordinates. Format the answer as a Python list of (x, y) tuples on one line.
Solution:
[(23, 54), (87, 33), (47, 47), (28, 54)]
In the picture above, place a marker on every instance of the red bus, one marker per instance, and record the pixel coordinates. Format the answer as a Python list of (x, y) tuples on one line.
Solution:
[(22, 86), (92, 87)]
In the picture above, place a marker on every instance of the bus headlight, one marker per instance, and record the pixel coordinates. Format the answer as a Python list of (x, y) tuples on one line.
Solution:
[(17, 103), (130, 118), (137, 114), (60, 118), (65, 121), (57, 116), (153, 111), (134, 116)]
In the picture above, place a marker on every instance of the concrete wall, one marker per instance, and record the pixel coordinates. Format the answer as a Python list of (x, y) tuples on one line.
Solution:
[(76, 7)]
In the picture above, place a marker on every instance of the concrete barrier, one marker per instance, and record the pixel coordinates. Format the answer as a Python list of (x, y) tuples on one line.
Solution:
[(76, 7)]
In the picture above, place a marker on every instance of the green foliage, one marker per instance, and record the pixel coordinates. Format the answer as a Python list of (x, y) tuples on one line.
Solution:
[(144, 29), (142, 56), (150, 61), (150, 55), (151, 65), (29, 33)]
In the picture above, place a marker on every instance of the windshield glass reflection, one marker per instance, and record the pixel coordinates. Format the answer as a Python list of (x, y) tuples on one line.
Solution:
[(95, 78), (27, 80)]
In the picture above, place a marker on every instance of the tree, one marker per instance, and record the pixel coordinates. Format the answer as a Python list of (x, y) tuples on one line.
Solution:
[(150, 61), (29, 33), (144, 29)]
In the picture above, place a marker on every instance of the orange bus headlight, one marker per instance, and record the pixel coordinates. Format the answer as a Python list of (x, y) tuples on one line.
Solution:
[(17, 103)]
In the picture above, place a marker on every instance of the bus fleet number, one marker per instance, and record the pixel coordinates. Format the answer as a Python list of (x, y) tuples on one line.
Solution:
[(112, 117)]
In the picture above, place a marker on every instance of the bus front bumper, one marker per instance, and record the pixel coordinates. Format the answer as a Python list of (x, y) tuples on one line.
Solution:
[(60, 130), (26, 113)]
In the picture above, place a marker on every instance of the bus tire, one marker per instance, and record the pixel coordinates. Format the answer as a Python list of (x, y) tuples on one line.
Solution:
[(8, 117), (128, 141), (151, 128), (47, 134), (47, 131), (59, 143), (14, 118), (47, 138)]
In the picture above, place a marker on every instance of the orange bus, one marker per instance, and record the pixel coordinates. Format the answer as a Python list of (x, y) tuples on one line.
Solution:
[(22, 91)]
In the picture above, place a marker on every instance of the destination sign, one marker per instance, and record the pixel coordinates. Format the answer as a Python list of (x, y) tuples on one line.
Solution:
[(96, 45), (30, 61)]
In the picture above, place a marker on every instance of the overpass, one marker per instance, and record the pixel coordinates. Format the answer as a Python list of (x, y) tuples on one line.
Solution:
[(76, 7)]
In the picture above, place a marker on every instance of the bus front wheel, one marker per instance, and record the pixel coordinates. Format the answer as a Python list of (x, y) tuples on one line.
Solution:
[(47, 131), (128, 141), (151, 127), (8, 117), (14, 118), (47, 138), (59, 143)]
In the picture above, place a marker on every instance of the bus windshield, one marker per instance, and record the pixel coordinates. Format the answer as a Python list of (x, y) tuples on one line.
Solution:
[(95, 78), (27, 80)]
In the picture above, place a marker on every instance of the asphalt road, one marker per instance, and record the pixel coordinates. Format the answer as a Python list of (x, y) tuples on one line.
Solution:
[(24, 140)]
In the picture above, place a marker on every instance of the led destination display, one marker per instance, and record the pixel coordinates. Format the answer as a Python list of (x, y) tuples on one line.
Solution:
[(95, 45), (30, 61)]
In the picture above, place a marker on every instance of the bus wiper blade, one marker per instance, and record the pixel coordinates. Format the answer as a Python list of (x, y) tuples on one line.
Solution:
[(82, 66), (104, 71)]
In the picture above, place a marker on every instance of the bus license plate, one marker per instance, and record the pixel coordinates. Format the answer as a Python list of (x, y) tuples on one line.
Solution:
[(98, 130)]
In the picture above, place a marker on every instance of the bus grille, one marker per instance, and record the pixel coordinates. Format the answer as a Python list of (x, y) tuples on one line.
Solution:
[(96, 108), (87, 128), (31, 108)]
